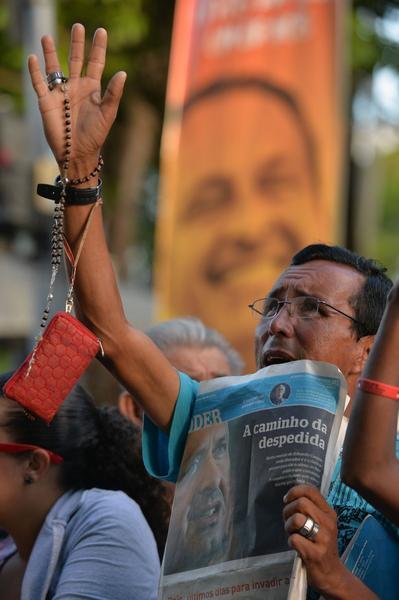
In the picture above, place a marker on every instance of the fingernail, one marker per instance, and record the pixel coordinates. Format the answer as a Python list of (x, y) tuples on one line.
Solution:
[(285, 498)]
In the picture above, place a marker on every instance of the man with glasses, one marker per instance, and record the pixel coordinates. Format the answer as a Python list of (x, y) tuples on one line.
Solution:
[(325, 306), (303, 307)]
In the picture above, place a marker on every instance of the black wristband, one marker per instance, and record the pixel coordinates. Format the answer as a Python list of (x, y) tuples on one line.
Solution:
[(74, 196)]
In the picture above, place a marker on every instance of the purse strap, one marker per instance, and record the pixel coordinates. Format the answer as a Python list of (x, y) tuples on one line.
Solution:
[(73, 260)]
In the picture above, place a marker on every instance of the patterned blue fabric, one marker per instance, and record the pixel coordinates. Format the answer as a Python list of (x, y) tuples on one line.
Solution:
[(351, 508)]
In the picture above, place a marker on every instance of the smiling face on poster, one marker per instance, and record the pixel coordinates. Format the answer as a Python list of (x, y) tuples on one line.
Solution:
[(247, 199), (251, 167)]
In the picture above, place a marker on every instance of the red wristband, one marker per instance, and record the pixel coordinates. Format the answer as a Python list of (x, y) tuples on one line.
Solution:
[(378, 388)]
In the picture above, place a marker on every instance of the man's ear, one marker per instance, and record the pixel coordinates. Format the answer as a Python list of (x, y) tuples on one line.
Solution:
[(37, 466), (130, 409), (363, 350), (360, 355)]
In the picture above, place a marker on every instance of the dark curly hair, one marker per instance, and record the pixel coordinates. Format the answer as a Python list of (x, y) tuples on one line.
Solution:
[(100, 448)]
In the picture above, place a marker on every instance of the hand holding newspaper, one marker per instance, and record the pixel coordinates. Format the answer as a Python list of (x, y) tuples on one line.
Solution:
[(251, 439)]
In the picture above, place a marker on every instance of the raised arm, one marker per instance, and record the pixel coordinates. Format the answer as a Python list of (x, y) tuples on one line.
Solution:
[(369, 461), (129, 354)]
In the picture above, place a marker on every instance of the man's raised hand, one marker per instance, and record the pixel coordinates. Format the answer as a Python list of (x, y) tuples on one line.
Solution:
[(92, 115)]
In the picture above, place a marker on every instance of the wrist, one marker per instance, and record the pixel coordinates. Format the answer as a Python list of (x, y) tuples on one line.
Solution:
[(73, 196), (342, 586), (83, 173), (94, 182)]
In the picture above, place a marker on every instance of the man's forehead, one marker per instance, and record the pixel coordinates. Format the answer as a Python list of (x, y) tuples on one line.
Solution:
[(321, 278)]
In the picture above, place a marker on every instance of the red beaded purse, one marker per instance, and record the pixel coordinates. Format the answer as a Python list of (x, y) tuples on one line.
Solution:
[(60, 358)]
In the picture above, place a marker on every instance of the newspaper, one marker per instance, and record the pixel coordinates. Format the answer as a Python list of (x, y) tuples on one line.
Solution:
[(251, 439)]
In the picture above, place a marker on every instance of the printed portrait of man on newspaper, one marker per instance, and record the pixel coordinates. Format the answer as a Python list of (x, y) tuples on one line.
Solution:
[(251, 439)]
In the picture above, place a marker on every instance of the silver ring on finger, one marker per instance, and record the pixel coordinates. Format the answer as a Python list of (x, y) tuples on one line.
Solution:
[(307, 528), (314, 531), (55, 78)]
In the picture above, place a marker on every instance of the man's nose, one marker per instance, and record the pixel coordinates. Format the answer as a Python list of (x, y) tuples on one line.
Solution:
[(281, 323), (210, 475)]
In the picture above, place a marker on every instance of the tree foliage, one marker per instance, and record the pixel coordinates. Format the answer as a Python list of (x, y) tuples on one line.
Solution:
[(369, 46), (11, 59), (139, 43)]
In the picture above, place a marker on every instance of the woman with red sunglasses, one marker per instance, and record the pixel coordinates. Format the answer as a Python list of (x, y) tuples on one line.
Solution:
[(74, 536)]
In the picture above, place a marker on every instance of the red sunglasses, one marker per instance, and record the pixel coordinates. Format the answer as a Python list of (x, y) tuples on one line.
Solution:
[(18, 448)]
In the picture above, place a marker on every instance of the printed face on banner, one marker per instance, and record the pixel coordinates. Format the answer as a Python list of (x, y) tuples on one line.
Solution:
[(247, 198), (199, 528)]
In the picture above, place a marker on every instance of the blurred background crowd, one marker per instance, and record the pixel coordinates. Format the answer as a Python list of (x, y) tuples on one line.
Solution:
[(139, 43)]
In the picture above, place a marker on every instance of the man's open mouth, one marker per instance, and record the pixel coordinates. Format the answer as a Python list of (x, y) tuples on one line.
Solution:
[(275, 357)]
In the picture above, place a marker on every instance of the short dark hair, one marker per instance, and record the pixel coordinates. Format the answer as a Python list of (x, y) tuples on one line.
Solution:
[(369, 302)]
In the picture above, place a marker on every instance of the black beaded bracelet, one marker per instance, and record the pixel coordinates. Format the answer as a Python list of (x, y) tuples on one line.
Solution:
[(74, 196)]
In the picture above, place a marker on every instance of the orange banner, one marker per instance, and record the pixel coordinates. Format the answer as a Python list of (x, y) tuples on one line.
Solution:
[(251, 153)]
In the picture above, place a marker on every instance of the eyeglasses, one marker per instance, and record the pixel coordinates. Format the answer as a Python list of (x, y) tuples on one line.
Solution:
[(303, 307), (19, 448)]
